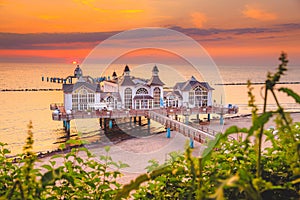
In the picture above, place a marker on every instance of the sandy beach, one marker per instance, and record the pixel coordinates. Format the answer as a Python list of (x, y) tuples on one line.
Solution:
[(136, 152)]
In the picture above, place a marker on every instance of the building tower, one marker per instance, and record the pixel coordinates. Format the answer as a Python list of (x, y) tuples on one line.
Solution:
[(77, 72)]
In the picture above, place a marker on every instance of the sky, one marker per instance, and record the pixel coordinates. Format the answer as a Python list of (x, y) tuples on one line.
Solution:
[(234, 32)]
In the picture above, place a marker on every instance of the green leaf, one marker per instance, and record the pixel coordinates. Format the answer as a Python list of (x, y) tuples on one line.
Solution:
[(107, 148), (6, 151), (291, 93), (232, 129), (72, 141), (210, 146), (47, 178), (48, 167), (260, 121), (123, 165), (57, 156), (53, 162)]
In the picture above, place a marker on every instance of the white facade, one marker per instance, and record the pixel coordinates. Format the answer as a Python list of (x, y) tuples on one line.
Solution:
[(127, 93)]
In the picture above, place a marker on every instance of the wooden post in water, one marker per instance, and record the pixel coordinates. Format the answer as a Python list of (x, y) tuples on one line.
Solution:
[(100, 122), (105, 122), (140, 120)]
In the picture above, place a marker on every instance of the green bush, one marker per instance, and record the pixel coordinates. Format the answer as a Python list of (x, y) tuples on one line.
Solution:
[(77, 178), (234, 169)]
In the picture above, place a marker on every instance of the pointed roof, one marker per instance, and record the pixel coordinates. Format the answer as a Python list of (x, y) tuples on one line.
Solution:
[(155, 80), (78, 72), (126, 81), (126, 69), (155, 69)]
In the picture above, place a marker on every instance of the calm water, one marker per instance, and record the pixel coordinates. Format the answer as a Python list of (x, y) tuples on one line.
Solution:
[(17, 108)]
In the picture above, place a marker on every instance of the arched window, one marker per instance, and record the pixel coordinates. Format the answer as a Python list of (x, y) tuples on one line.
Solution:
[(142, 91), (128, 98), (200, 96), (110, 101), (156, 97)]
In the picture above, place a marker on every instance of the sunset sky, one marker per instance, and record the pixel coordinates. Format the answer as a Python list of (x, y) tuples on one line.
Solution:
[(234, 32)]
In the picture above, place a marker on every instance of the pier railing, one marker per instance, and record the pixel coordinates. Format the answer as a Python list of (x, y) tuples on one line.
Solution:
[(188, 131), (60, 114)]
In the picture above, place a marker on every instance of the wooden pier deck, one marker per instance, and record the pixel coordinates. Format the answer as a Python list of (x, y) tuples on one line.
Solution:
[(188, 131), (60, 114), (166, 116)]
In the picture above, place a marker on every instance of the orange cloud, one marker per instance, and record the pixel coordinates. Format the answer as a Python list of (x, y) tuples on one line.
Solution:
[(55, 55), (48, 17), (132, 11), (198, 19), (258, 14)]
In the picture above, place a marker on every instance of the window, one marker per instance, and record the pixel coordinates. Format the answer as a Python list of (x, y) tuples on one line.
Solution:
[(156, 97), (128, 98), (142, 91), (81, 99), (191, 97), (200, 96), (110, 101)]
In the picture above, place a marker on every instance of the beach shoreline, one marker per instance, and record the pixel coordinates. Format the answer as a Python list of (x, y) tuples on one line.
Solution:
[(138, 151)]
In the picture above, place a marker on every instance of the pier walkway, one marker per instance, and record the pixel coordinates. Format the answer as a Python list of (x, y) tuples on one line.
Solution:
[(188, 131), (60, 114), (166, 116)]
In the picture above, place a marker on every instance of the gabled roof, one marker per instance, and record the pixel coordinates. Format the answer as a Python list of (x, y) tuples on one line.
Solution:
[(179, 85), (69, 88), (192, 83), (155, 80), (126, 81)]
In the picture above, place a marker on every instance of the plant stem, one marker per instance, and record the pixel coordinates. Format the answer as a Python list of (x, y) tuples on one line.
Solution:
[(200, 178), (280, 109), (259, 137)]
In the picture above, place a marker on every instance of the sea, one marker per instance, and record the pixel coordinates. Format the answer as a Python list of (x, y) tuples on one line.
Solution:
[(25, 96)]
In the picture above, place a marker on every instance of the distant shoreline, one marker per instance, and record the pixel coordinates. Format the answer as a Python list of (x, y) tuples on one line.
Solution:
[(31, 90), (259, 83), (223, 84)]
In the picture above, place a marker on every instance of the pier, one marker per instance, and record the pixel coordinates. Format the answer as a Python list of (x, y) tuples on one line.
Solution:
[(133, 98), (169, 117)]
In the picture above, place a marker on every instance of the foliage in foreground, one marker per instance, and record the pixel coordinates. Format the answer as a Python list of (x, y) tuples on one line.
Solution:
[(234, 169), (77, 178), (228, 169)]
